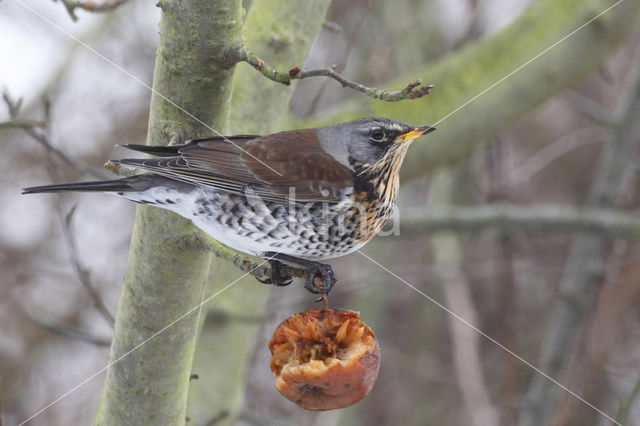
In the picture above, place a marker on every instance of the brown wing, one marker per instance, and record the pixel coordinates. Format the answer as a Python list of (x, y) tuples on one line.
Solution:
[(269, 166)]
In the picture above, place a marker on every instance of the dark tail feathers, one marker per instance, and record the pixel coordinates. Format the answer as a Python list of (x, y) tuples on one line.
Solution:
[(133, 183)]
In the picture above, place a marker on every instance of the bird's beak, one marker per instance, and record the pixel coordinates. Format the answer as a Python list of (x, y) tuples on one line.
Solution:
[(413, 133)]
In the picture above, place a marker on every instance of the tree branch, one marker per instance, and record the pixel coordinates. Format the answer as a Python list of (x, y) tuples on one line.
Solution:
[(240, 54), (37, 129), (472, 78), (245, 264), (166, 272), (83, 274), (106, 6), (509, 217), (225, 349), (588, 108), (66, 330), (20, 124)]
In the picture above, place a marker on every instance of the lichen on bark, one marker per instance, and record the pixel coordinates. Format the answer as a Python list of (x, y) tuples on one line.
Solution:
[(282, 35), (147, 382)]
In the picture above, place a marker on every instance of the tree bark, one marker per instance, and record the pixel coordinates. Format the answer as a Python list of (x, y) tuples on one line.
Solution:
[(165, 278), (281, 35)]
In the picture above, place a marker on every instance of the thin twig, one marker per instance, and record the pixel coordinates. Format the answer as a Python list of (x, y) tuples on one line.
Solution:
[(551, 152), (473, 27), (589, 108), (42, 136), (106, 6), (355, 30), (83, 273), (35, 128), (20, 124), (408, 92), (67, 330)]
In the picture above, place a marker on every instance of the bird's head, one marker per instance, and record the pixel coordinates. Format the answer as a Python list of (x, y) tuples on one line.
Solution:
[(371, 144)]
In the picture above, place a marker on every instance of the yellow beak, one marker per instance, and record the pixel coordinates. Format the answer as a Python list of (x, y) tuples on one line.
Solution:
[(413, 133)]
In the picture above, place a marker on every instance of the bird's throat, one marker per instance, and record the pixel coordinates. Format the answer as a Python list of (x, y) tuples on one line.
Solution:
[(375, 193)]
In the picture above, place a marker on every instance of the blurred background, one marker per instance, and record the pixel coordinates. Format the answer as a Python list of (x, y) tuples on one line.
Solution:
[(530, 237)]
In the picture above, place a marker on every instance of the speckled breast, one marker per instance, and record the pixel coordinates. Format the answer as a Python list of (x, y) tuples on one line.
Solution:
[(313, 230)]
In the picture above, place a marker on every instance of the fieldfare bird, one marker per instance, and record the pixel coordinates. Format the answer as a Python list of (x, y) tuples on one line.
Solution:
[(299, 196)]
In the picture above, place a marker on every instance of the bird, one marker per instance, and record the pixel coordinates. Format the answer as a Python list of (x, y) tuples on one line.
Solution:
[(294, 197)]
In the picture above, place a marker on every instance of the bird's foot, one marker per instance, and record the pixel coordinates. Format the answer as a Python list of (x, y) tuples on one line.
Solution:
[(280, 276), (321, 278)]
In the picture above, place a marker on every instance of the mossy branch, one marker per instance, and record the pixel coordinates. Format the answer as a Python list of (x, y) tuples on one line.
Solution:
[(245, 264), (464, 74), (506, 217), (225, 348), (148, 379), (410, 91)]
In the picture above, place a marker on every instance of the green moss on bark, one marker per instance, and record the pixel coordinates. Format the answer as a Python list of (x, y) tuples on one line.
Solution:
[(258, 105), (166, 271)]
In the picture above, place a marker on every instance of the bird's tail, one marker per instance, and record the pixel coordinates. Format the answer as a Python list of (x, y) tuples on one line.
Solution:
[(132, 183)]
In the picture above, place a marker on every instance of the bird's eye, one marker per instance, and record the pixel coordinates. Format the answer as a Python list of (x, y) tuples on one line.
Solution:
[(377, 134)]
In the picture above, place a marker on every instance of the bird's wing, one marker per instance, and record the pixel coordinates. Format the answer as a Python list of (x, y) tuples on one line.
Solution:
[(173, 150), (272, 167)]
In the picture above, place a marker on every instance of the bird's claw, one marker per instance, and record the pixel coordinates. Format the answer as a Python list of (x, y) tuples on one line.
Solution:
[(279, 276), (321, 279)]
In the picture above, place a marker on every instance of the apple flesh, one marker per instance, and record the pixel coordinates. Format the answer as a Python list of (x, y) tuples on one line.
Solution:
[(324, 359)]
